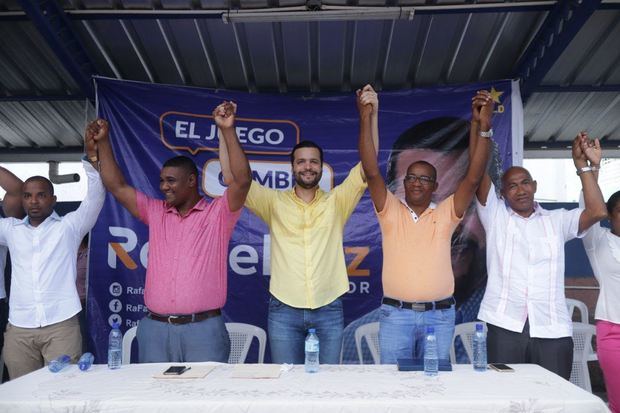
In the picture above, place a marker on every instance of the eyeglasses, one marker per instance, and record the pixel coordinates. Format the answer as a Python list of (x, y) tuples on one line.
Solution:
[(424, 180)]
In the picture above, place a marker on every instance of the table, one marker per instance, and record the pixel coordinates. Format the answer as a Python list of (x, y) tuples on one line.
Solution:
[(335, 388)]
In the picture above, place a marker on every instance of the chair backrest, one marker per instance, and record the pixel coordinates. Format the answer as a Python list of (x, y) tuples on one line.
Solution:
[(127, 340), (348, 354), (573, 304), (241, 336), (369, 332), (465, 332), (582, 345)]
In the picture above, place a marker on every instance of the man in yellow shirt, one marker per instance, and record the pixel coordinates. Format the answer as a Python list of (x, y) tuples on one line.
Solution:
[(417, 277), (308, 271)]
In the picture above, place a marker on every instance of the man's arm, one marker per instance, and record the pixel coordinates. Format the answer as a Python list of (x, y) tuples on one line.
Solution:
[(85, 216), (485, 185), (595, 209), (235, 166), (593, 152), (478, 154), (372, 98), (98, 132), (368, 147), (12, 202)]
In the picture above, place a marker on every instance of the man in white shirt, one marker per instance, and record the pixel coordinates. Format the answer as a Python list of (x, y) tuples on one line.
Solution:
[(524, 303), (44, 302)]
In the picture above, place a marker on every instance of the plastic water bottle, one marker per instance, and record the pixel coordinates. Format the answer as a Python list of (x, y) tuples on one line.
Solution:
[(115, 348), (480, 348), (312, 352), (86, 361), (431, 360), (59, 363)]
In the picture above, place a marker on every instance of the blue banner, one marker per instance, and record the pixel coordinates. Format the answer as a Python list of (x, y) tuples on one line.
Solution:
[(151, 123)]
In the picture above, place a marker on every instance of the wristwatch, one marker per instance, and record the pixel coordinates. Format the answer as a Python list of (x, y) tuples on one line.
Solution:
[(487, 134), (588, 169)]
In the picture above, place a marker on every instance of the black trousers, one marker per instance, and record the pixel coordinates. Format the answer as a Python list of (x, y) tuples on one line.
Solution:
[(554, 354), (4, 318)]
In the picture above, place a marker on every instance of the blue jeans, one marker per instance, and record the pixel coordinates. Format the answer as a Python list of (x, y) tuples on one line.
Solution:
[(288, 327), (160, 342), (402, 332)]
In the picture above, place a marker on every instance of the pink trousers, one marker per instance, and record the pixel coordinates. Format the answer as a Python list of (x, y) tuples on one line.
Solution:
[(608, 350)]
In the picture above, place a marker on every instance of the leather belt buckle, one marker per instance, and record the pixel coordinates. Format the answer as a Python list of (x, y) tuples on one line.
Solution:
[(418, 306), (172, 317)]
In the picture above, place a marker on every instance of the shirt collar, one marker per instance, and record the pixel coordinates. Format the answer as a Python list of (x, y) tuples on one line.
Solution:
[(200, 206), (317, 195), (538, 210), (26, 220), (415, 216)]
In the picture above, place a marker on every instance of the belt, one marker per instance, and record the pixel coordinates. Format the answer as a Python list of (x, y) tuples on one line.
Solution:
[(185, 318), (426, 306)]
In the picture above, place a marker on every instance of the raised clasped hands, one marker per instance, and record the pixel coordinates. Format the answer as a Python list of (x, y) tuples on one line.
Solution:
[(482, 106), (224, 115), (95, 132), (591, 148), (367, 101)]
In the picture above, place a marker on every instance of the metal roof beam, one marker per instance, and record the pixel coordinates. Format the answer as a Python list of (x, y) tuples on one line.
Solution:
[(566, 146), (427, 9), (136, 14), (559, 29), (244, 57), (576, 88), (55, 27), (613, 151), (66, 154), (41, 98)]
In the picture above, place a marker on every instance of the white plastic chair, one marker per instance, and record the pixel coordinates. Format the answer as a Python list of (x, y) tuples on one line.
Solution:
[(582, 345), (465, 332), (573, 304), (584, 317), (241, 336), (127, 340), (369, 332)]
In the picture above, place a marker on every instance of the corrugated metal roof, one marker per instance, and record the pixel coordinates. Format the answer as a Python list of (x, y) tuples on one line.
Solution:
[(187, 42)]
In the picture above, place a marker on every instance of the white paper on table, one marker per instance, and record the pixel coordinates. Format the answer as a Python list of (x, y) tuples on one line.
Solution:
[(256, 371), (196, 372)]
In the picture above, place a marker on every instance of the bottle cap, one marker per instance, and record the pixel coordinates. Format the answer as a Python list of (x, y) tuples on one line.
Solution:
[(115, 325), (312, 330), (479, 327), (430, 329)]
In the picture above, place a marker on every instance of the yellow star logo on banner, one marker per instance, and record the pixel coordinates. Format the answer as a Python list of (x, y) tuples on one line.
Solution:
[(496, 95)]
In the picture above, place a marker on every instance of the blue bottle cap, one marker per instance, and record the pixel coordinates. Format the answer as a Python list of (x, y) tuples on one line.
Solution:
[(116, 325), (479, 327), (430, 329), (312, 330)]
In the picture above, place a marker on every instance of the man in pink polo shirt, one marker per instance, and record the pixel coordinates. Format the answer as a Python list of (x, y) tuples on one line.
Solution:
[(186, 276)]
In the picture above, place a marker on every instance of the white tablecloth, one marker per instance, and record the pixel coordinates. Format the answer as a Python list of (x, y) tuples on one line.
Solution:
[(345, 388)]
